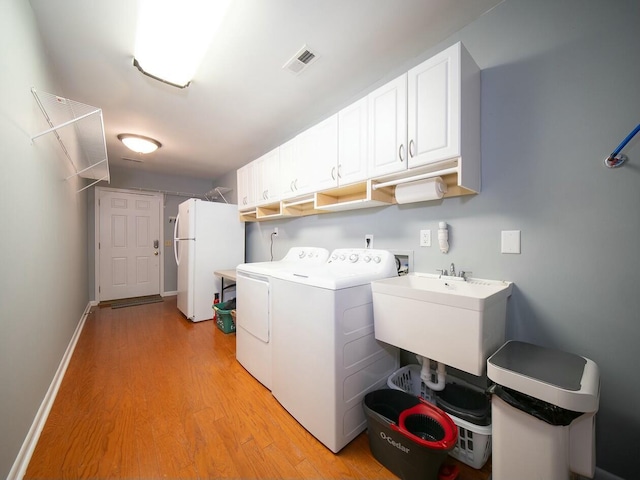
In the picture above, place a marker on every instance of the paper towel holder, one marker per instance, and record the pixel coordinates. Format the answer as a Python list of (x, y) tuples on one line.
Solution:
[(424, 190)]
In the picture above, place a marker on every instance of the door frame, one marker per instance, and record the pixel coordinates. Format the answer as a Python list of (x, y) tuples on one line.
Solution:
[(96, 226)]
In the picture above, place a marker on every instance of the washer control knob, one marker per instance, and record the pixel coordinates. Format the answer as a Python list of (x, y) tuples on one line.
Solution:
[(376, 259), (334, 257), (342, 257), (353, 258), (301, 254), (367, 259)]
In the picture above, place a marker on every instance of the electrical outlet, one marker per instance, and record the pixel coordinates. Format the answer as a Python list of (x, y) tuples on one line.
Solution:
[(425, 238), (275, 231), (368, 240)]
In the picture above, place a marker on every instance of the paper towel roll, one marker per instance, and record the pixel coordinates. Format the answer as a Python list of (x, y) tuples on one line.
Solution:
[(421, 190)]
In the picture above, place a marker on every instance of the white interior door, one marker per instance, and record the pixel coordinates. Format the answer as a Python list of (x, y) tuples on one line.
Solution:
[(129, 248)]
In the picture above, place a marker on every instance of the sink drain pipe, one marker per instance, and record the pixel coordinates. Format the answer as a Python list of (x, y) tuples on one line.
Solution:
[(426, 371)]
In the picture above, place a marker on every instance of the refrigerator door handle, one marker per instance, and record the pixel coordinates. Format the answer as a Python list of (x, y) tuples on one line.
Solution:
[(175, 239)]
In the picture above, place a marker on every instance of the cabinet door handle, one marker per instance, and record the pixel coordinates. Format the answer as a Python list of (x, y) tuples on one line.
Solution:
[(291, 185), (400, 150), (295, 184), (339, 174), (411, 143), (333, 173)]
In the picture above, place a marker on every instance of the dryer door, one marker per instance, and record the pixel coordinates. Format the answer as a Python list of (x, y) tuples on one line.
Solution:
[(252, 305)]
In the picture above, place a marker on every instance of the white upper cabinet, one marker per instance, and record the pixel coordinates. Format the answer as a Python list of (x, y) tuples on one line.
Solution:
[(425, 122), (352, 143), (289, 157), (387, 106), (298, 165), (319, 155), (267, 176), (443, 107), (246, 186)]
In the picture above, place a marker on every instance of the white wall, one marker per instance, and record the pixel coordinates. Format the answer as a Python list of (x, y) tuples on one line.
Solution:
[(560, 90), (43, 241)]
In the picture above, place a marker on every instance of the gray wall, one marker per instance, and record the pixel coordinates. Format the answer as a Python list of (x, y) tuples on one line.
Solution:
[(43, 240), (560, 90), (128, 178)]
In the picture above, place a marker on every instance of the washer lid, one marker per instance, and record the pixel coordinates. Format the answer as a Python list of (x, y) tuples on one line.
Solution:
[(560, 378), (346, 267), (296, 258)]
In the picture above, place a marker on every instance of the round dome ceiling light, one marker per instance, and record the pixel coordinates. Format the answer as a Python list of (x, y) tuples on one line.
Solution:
[(139, 143)]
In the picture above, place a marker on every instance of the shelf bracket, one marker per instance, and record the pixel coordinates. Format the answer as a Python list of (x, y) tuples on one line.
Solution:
[(93, 183)]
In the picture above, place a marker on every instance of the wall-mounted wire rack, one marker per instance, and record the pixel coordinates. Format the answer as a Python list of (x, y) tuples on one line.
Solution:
[(79, 129)]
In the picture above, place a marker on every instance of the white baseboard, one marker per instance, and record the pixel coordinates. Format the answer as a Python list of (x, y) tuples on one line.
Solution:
[(21, 463), (170, 294)]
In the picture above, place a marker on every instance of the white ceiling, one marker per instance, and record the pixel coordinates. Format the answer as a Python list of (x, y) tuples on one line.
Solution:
[(241, 103)]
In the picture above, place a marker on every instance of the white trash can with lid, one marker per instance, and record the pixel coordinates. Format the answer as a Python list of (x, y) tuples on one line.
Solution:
[(543, 413)]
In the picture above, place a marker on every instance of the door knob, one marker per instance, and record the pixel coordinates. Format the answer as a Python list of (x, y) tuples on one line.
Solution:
[(156, 253)]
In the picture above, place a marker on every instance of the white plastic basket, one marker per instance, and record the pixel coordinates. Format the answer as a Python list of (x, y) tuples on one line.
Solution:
[(474, 441)]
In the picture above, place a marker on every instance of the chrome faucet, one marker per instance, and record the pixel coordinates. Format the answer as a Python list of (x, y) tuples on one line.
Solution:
[(452, 272)]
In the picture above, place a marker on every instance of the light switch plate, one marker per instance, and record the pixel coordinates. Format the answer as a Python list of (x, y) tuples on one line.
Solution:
[(510, 241)]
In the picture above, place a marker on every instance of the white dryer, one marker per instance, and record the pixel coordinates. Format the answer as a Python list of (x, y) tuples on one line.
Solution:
[(253, 307), (325, 355)]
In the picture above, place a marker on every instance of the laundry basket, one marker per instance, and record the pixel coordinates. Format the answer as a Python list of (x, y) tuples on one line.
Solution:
[(225, 315), (474, 441)]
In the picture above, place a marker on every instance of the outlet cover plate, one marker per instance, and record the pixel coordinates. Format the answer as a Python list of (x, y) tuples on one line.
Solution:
[(510, 241), (425, 238), (368, 240)]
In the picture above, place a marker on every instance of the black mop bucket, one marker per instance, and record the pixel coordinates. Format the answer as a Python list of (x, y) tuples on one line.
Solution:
[(409, 436)]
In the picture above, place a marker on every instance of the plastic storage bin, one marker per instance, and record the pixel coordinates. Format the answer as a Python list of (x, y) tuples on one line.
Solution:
[(408, 436), (224, 317), (474, 441)]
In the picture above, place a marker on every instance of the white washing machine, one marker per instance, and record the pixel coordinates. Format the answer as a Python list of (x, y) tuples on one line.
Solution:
[(325, 355), (253, 307)]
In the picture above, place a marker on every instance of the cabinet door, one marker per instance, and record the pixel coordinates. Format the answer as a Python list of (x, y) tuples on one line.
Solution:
[(352, 143), (319, 157), (288, 168), (434, 108), (247, 186), (388, 128), (267, 174), (243, 187)]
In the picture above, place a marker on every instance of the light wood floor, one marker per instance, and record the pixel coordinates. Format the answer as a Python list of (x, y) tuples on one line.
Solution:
[(148, 394)]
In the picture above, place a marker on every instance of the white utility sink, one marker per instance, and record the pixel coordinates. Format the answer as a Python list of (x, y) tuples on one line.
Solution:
[(459, 323)]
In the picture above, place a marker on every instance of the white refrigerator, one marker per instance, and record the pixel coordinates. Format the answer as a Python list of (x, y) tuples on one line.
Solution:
[(208, 236)]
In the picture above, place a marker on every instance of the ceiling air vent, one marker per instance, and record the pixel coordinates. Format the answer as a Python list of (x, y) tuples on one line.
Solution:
[(136, 160), (300, 61)]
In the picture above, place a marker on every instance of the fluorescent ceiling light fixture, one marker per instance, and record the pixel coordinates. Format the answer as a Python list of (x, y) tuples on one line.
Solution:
[(173, 37), (139, 143)]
